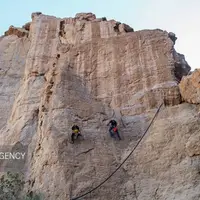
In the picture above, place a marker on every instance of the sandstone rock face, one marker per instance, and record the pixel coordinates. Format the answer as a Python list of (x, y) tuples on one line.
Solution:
[(13, 55), (87, 71), (16, 31), (190, 87)]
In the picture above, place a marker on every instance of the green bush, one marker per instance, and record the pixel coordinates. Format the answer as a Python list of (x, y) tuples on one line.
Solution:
[(11, 186), (33, 197)]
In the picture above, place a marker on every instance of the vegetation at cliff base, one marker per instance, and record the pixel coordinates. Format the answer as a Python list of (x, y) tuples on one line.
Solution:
[(11, 187)]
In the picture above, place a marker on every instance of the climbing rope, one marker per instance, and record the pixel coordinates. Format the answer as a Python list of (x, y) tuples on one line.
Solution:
[(95, 188)]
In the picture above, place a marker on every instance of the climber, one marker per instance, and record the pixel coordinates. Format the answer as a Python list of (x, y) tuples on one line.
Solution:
[(113, 129), (75, 133)]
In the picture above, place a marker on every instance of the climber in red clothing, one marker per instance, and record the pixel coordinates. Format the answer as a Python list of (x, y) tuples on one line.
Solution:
[(113, 129)]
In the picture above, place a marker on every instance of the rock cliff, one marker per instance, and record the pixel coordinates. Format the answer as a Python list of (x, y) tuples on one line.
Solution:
[(190, 87), (87, 70)]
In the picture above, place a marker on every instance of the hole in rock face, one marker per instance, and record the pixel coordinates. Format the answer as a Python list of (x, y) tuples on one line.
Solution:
[(62, 27), (116, 27), (178, 71), (58, 56), (41, 74), (32, 184)]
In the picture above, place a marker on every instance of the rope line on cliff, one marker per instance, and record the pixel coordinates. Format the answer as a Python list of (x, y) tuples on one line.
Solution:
[(95, 188)]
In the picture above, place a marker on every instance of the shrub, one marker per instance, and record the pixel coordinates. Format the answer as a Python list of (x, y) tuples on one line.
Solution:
[(11, 187), (33, 197)]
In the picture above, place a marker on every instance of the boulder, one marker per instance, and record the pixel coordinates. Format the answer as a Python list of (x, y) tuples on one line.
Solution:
[(190, 87), (85, 16), (20, 32)]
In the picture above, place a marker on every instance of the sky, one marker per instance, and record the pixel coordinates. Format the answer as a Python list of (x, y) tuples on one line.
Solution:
[(179, 16)]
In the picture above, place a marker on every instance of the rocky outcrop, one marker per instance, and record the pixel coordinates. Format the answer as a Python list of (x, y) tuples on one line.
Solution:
[(143, 44), (27, 26), (181, 66), (85, 16), (87, 71), (35, 14), (20, 32), (190, 87), (172, 36)]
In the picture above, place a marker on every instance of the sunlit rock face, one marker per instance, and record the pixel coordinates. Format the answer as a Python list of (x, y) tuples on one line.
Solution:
[(85, 71)]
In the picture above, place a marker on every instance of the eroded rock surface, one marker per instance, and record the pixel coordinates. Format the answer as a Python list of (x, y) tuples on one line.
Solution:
[(190, 87), (20, 32), (87, 71)]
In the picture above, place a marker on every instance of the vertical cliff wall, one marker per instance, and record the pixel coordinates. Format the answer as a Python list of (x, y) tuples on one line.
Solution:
[(57, 72)]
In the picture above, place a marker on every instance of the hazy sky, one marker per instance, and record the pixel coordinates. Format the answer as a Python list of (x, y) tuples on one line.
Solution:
[(179, 16)]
